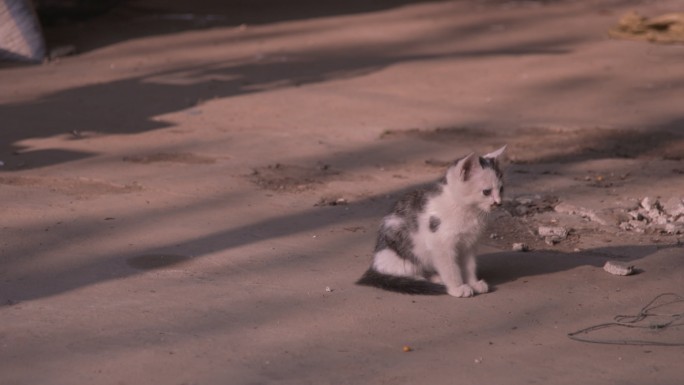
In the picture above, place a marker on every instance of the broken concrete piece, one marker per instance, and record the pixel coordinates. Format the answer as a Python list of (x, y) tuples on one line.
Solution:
[(637, 215), (621, 216), (674, 228), (520, 247), (658, 218), (618, 268), (565, 208), (552, 234), (634, 225), (674, 207), (647, 204), (670, 228), (553, 231)]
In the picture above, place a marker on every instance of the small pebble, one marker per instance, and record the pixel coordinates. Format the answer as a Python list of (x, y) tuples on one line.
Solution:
[(406, 349), (520, 247), (553, 231)]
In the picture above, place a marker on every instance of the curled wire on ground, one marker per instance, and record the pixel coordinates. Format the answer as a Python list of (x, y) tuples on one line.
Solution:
[(630, 322)]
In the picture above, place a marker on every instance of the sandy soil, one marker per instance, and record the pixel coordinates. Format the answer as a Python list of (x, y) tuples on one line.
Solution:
[(190, 197)]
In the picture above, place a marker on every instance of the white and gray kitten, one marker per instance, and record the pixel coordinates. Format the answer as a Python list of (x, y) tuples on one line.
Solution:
[(426, 244)]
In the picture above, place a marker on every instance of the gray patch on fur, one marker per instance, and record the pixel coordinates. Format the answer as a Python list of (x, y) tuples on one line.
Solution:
[(397, 240), (493, 164), (408, 208), (434, 223)]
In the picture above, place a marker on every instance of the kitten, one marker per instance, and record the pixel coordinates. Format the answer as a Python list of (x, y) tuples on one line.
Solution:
[(426, 243)]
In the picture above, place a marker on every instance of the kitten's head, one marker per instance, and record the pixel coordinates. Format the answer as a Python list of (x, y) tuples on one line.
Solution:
[(477, 180)]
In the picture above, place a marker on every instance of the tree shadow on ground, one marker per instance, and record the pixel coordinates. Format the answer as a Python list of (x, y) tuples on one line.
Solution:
[(89, 108), (139, 19)]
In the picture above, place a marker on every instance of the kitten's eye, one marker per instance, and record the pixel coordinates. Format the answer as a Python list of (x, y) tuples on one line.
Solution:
[(501, 190), (487, 192)]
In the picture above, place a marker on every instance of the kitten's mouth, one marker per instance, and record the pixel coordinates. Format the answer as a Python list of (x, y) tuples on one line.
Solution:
[(491, 207)]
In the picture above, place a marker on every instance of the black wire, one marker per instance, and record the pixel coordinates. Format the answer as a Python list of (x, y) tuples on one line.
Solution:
[(627, 321)]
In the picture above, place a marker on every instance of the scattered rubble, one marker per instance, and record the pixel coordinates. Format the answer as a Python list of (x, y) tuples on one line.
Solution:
[(650, 216), (565, 208), (617, 268), (531, 204), (553, 221)]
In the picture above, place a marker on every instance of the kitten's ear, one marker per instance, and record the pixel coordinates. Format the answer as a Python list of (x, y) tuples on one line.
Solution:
[(462, 170), (496, 154)]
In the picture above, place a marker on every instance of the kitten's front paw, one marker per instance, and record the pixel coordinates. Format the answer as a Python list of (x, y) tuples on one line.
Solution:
[(461, 291), (480, 287)]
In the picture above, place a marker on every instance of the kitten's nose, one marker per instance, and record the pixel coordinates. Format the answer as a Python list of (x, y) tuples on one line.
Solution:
[(496, 203)]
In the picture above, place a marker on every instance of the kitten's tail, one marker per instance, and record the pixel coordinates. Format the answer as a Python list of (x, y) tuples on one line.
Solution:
[(402, 285)]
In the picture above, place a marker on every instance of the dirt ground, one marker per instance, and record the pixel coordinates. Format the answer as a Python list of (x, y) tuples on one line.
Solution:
[(190, 197)]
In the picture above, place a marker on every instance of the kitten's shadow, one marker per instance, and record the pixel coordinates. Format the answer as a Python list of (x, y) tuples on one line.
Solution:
[(502, 267)]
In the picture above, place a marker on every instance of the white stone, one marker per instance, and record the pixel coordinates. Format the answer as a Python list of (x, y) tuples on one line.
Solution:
[(646, 203), (552, 231), (617, 268)]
